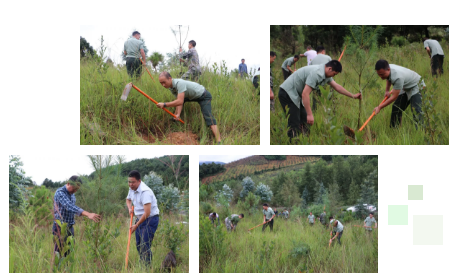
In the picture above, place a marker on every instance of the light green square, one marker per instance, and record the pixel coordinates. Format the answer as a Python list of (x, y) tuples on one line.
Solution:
[(415, 192), (397, 215), (427, 229)]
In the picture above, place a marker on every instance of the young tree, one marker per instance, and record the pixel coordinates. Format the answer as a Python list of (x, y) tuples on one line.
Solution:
[(342, 174), (304, 198), (226, 192), (41, 204), (320, 194), (264, 192), (156, 58), (85, 48), (290, 195), (277, 187), (170, 198), (18, 182), (354, 192), (308, 182), (367, 196), (248, 186), (155, 183), (334, 198)]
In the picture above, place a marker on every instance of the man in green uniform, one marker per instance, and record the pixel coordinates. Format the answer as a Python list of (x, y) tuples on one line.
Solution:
[(272, 58), (436, 55), (321, 58), (287, 64), (232, 221), (311, 218), (407, 86), (323, 218), (193, 61), (369, 221), (295, 93), (186, 91), (133, 51), (268, 215), (337, 229)]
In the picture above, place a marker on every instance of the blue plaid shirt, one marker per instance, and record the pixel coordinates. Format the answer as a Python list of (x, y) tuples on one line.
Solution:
[(242, 68), (64, 206)]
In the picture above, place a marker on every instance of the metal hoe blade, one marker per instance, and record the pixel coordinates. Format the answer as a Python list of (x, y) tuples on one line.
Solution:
[(126, 91)]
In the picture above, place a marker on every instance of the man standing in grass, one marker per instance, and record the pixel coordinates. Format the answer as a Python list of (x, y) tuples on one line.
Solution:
[(369, 221), (287, 66), (436, 55), (193, 61), (323, 218), (146, 213), (186, 91), (268, 215), (214, 217), (337, 229), (243, 71), (65, 211), (310, 54), (272, 58), (232, 221), (311, 218), (321, 58), (407, 86), (133, 51), (295, 93)]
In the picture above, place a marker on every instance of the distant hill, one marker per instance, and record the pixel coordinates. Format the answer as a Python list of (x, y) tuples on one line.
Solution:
[(256, 164), (209, 162)]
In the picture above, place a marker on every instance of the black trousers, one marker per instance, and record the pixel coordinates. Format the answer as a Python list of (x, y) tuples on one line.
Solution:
[(61, 239), (297, 120), (436, 63), (268, 224), (338, 237), (401, 103), (286, 74), (133, 67)]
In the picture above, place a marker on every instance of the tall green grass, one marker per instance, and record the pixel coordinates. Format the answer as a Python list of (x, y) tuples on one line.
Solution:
[(346, 111), (31, 248), (105, 119), (242, 250)]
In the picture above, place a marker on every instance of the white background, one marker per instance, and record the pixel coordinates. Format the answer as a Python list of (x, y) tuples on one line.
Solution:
[(40, 99)]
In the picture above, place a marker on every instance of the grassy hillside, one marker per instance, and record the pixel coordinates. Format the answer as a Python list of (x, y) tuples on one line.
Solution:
[(105, 119), (257, 163), (340, 110)]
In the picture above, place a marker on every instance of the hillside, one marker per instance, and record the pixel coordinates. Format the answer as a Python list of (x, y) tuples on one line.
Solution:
[(209, 162), (257, 163)]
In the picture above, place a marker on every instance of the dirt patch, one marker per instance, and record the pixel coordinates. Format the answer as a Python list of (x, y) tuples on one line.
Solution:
[(182, 138)]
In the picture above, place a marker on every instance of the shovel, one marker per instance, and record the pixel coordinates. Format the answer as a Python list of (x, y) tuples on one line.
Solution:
[(350, 132), (128, 89), (147, 69), (255, 226), (129, 237)]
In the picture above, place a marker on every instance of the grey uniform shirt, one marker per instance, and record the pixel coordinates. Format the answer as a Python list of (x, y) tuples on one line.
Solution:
[(192, 59), (268, 213), (311, 218), (434, 46), (369, 222), (289, 62), (404, 79), (143, 195), (312, 75), (339, 227), (192, 90), (321, 59), (133, 47)]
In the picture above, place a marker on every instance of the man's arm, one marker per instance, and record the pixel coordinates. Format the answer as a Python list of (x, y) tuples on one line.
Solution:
[(428, 51), (271, 94), (390, 100), (125, 53), (336, 234), (288, 67), (92, 216), (129, 205), (178, 110), (302, 55), (143, 57), (264, 219), (146, 214), (387, 89), (178, 102), (306, 102), (340, 89)]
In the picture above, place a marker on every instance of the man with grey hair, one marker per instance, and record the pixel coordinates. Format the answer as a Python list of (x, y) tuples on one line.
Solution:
[(193, 61), (186, 91), (436, 55), (133, 51)]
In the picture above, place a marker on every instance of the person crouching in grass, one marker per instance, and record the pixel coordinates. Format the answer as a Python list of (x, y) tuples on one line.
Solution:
[(186, 91), (232, 221)]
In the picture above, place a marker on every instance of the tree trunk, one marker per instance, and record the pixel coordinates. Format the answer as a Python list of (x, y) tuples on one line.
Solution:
[(427, 31)]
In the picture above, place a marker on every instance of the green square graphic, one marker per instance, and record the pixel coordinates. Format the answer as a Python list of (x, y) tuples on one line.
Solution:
[(397, 215), (427, 229), (415, 192)]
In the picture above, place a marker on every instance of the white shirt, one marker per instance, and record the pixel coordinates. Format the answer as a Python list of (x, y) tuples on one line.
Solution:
[(143, 195), (310, 54)]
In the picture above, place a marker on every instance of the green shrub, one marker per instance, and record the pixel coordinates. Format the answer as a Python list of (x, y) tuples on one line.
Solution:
[(174, 235), (205, 208), (211, 241), (399, 41), (41, 204)]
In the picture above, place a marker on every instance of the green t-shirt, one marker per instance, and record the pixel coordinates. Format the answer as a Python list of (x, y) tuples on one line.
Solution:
[(235, 219), (404, 79), (321, 59), (312, 75), (289, 62), (192, 90), (369, 222), (311, 218), (435, 47), (133, 47), (268, 213)]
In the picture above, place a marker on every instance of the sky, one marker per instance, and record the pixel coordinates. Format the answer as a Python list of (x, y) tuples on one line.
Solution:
[(222, 158), (60, 168), (214, 42)]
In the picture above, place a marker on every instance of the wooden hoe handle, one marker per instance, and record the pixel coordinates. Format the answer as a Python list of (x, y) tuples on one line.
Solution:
[(342, 54), (372, 115), (129, 237), (147, 69), (255, 227)]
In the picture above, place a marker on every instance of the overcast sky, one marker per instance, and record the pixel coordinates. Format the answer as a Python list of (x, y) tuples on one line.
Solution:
[(222, 158), (60, 168), (214, 42)]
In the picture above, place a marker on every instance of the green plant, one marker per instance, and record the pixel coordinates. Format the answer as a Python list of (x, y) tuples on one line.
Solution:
[(264, 192), (174, 235), (211, 241), (205, 208), (169, 198), (41, 204), (264, 255)]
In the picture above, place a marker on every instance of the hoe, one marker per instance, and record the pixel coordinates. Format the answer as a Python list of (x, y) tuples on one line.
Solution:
[(129, 237), (147, 70), (128, 89), (255, 227)]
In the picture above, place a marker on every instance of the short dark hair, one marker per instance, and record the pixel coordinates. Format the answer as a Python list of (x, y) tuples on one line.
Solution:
[(134, 174), (382, 64), (309, 47), (165, 74), (319, 49), (265, 205), (258, 69), (243, 59), (296, 57), (242, 215), (136, 32), (425, 38), (335, 65), (214, 214), (272, 54), (372, 213), (192, 42), (330, 218), (73, 179)]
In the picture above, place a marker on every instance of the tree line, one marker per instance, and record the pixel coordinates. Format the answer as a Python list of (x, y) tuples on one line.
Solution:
[(210, 169)]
